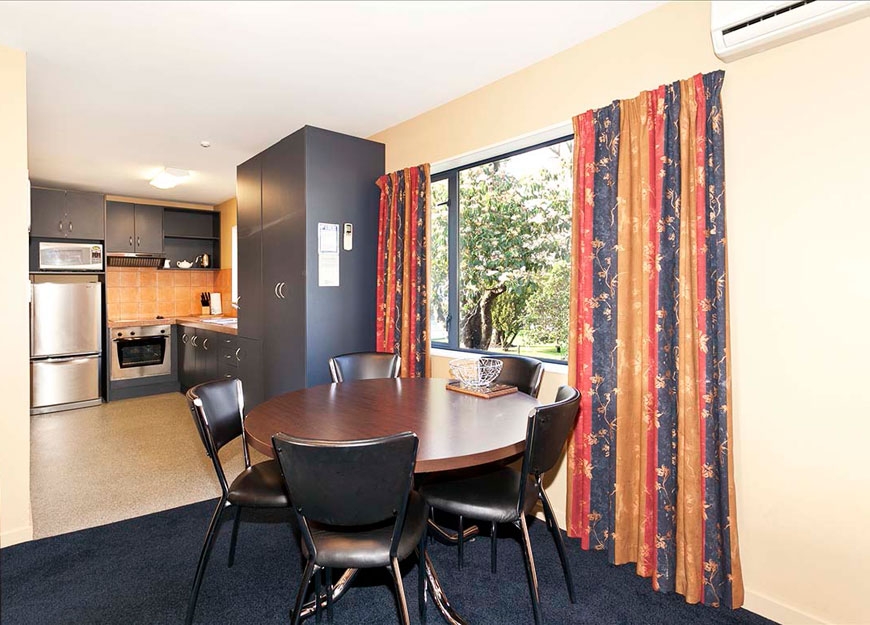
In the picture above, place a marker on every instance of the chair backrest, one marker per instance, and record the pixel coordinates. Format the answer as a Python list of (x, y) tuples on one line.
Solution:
[(548, 429), (521, 371), (364, 366), (218, 408), (348, 483)]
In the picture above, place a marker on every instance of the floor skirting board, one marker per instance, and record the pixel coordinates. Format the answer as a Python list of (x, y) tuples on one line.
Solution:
[(779, 612), (15, 536)]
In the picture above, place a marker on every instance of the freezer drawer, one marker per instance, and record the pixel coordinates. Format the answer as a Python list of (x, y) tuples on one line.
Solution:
[(66, 319), (64, 380)]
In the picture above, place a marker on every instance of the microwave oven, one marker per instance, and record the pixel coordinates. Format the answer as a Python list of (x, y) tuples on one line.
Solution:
[(70, 256)]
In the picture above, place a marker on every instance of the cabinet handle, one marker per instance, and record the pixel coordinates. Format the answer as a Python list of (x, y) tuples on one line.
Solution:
[(70, 226), (237, 354), (131, 241), (281, 290), (60, 226), (193, 341), (205, 343), (277, 284), (138, 241), (184, 338)]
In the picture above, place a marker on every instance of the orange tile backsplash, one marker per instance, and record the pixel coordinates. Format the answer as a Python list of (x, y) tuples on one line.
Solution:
[(136, 292)]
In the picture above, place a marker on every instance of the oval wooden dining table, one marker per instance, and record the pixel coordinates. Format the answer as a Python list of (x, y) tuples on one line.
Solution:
[(455, 431)]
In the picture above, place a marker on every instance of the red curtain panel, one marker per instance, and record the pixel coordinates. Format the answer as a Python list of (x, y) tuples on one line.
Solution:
[(403, 270), (650, 463)]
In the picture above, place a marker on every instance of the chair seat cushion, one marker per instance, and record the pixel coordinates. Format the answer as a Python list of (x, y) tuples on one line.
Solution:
[(490, 496), (260, 486), (370, 546)]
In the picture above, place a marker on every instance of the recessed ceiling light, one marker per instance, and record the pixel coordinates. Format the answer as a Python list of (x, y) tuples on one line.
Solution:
[(205, 144), (169, 177)]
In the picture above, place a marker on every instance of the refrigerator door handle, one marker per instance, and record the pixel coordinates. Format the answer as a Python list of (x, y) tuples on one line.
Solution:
[(69, 358)]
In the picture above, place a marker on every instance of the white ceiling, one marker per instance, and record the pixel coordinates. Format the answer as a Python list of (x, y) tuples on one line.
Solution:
[(117, 90)]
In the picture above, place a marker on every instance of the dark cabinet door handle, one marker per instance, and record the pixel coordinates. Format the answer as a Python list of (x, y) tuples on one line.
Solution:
[(138, 241), (70, 226), (184, 338), (193, 341), (205, 343), (60, 226), (131, 241), (237, 354)]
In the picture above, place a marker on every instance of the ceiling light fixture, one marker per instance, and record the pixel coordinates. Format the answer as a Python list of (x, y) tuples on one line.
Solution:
[(205, 144), (169, 177)]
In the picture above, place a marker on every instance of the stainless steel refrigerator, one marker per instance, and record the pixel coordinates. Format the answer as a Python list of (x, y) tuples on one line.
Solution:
[(65, 345)]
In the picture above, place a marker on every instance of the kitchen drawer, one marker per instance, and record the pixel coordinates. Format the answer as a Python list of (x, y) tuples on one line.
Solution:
[(64, 380), (228, 355)]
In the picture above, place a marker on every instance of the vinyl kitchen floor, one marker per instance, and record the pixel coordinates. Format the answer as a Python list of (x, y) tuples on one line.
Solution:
[(120, 460)]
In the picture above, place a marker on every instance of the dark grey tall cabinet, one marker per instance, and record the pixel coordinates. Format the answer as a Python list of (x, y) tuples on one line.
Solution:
[(312, 176)]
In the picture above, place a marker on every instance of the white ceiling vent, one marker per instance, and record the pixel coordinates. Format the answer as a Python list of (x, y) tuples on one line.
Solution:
[(743, 28)]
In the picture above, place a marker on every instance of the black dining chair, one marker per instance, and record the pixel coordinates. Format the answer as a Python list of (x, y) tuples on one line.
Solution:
[(364, 366), (351, 515), (218, 408), (521, 371), (504, 495)]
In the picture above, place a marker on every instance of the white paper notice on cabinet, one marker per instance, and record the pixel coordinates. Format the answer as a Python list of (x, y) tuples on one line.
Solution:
[(327, 269)]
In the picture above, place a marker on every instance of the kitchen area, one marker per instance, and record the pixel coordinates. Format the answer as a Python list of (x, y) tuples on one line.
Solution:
[(129, 298), (134, 300)]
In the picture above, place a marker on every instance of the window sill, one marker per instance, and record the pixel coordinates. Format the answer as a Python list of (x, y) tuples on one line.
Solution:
[(451, 353)]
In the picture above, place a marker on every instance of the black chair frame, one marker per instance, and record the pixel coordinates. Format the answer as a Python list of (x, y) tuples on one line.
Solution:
[(536, 468), (212, 448), (322, 575)]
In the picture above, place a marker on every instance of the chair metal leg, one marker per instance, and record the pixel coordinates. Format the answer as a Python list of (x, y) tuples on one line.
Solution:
[(421, 576), (530, 568), (560, 543), (300, 597), (492, 539), (210, 534), (328, 573), (235, 536), (318, 593), (460, 541), (400, 592)]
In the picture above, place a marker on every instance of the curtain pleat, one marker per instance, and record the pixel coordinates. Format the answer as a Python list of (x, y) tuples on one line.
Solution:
[(651, 476), (402, 325)]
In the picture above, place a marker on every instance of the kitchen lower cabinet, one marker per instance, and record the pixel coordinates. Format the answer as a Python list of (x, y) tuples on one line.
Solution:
[(205, 355), (197, 356), (241, 357)]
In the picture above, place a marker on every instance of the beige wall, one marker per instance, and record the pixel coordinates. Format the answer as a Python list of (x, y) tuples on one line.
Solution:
[(15, 521), (796, 136), (228, 211)]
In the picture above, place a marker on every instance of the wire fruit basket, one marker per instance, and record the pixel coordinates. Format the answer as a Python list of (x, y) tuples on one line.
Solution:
[(475, 372)]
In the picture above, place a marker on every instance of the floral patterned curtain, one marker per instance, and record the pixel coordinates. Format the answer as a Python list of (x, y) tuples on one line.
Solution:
[(651, 476), (403, 241)]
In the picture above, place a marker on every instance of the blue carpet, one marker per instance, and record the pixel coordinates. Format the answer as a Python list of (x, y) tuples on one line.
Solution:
[(139, 572)]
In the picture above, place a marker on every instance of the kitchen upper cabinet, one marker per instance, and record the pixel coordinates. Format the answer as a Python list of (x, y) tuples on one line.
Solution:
[(55, 213), (134, 228)]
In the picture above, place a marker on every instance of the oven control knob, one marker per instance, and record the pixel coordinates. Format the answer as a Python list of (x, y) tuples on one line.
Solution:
[(120, 334), (162, 331), (132, 334)]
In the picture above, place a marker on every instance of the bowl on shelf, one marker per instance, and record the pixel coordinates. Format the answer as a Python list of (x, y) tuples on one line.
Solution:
[(475, 372), (184, 264)]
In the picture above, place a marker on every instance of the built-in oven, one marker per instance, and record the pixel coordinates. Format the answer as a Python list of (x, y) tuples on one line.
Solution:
[(141, 352)]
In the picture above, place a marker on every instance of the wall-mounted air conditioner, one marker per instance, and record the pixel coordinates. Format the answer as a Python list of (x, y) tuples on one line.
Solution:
[(743, 28)]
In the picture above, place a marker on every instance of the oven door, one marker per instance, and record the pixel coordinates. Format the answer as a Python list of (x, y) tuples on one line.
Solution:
[(139, 357)]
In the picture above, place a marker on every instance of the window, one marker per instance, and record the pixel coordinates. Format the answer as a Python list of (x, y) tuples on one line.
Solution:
[(500, 253)]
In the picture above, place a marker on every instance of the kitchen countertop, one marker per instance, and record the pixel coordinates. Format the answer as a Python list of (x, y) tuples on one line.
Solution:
[(194, 321)]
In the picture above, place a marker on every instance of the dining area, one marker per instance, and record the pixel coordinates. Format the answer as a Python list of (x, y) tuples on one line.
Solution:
[(377, 467)]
